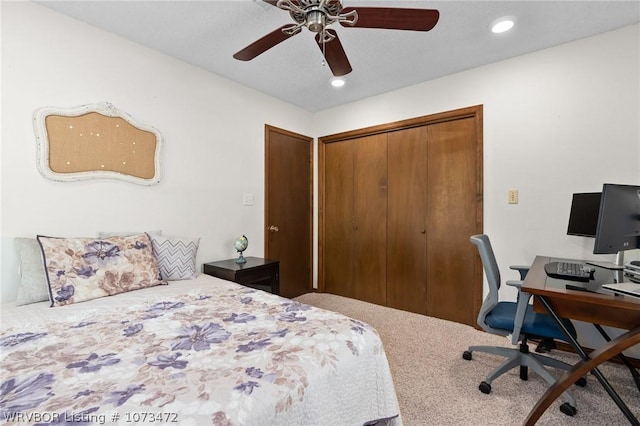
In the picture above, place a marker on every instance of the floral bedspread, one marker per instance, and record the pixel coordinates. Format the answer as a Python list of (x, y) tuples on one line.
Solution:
[(222, 355)]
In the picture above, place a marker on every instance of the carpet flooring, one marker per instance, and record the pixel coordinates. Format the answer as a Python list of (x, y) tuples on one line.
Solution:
[(436, 386)]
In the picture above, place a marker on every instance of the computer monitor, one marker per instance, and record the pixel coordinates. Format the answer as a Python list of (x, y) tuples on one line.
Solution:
[(583, 216), (618, 221)]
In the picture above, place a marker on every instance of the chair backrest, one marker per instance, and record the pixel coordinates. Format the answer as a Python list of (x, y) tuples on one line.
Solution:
[(492, 273)]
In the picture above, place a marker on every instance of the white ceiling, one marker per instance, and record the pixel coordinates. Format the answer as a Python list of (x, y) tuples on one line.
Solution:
[(207, 34)]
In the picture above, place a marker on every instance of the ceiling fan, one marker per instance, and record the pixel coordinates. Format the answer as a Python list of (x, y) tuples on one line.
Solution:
[(319, 15)]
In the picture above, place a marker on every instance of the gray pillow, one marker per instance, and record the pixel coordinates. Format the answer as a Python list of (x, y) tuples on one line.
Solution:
[(33, 279), (176, 256)]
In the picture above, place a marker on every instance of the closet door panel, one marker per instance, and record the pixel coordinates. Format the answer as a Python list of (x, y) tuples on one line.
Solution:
[(406, 219), (370, 218), (338, 223), (451, 214)]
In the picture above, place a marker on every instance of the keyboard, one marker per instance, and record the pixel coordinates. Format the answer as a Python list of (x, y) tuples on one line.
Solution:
[(569, 271)]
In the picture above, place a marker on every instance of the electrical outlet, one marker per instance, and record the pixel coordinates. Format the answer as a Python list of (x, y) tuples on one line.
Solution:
[(512, 196)]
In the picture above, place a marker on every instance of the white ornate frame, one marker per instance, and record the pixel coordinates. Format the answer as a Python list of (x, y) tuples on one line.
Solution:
[(105, 109)]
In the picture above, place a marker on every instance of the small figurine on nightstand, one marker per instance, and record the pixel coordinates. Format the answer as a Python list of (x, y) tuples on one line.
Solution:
[(241, 245)]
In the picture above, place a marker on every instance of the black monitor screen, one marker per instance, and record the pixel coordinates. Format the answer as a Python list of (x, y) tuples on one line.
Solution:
[(583, 216), (618, 220)]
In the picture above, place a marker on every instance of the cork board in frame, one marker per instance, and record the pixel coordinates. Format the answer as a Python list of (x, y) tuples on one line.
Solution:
[(96, 141)]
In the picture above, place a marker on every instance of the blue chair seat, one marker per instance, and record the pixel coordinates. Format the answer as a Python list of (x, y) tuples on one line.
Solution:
[(535, 325)]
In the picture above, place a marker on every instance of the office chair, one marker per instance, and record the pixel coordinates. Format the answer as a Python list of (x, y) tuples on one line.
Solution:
[(520, 321)]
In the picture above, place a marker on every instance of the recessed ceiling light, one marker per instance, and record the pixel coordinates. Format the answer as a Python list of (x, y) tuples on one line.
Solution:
[(337, 82), (503, 24)]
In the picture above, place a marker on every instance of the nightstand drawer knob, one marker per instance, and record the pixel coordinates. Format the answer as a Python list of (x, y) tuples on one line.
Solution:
[(273, 228)]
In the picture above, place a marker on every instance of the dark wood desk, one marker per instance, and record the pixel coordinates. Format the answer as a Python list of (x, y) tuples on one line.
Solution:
[(551, 296)]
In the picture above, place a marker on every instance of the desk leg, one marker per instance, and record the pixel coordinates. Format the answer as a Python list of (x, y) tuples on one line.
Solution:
[(608, 351), (605, 353), (632, 369)]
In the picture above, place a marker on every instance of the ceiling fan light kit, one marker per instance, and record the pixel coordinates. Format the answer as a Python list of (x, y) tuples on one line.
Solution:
[(318, 16)]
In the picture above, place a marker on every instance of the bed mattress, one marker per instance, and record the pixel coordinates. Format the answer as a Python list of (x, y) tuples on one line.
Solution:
[(202, 351)]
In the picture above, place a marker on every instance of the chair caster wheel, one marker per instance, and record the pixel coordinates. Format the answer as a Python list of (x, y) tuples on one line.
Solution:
[(568, 409), (485, 387), (466, 355), (582, 382)]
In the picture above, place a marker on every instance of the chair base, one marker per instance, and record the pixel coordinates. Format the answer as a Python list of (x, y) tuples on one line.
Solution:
[(524, 359)]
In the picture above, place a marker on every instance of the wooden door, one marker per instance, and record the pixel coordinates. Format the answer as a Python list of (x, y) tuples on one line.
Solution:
[(354, 212), (336, 246), (407, 220), (451, 213), (370, 218), (289, 208)]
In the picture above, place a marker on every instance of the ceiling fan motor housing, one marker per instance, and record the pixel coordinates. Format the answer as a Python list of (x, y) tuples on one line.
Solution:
[(316, 15), (315, 20)]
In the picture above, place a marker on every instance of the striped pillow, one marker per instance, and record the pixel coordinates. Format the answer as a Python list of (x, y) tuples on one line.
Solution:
[(176, 256)]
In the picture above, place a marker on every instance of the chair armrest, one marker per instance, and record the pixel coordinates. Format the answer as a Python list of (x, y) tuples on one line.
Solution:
[(522, 269), (521, 310), (516, 284)]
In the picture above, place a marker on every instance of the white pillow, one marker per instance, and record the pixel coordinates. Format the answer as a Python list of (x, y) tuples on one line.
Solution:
[(176, 256), (102, 234), (33, 279)]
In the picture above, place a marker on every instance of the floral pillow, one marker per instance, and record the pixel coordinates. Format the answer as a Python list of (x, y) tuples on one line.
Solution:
[(80, 269)]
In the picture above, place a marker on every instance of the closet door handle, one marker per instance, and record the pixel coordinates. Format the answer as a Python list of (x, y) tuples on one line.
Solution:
[(273, 228), (423, 231)]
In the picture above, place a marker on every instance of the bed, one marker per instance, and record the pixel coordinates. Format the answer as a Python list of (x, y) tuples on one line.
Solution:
[(193, 352)]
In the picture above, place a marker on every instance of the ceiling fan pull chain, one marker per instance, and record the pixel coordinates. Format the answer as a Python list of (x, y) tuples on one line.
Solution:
[(324, 48)]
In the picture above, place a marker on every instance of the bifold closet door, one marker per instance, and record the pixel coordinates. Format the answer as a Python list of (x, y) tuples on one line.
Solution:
[(355, 228), (398, 203), (407, 220), (337, 244), (452, 201), (370, 218)]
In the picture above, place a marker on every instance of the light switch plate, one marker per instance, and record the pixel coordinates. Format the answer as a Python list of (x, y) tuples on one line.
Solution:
[(512, 196), (247, 199)]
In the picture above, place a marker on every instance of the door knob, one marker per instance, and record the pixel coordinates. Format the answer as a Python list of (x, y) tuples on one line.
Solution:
[(273, 228)]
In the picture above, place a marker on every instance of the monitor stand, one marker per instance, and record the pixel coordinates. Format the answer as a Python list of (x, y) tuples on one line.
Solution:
[(618, 264)]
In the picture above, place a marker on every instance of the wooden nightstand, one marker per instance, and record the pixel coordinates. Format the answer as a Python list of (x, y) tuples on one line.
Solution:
[(258, 273)]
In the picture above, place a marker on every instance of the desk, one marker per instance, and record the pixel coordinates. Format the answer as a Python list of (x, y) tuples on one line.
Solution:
[(551, 296)]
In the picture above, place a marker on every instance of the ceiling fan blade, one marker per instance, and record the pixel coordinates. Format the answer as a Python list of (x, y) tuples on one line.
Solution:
[(334, 54), (393, 18), (263, 44)]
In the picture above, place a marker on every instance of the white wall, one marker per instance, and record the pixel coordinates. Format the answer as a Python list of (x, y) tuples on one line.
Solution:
[(213, 133), (557, 121)]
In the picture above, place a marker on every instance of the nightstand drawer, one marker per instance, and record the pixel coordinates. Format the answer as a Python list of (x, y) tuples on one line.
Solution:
[(258, 273)]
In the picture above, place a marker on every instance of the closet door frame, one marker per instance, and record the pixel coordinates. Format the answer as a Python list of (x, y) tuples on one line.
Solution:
[(475, 112)]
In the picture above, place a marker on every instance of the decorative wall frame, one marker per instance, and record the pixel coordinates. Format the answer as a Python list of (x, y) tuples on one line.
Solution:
[(96, 141)]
